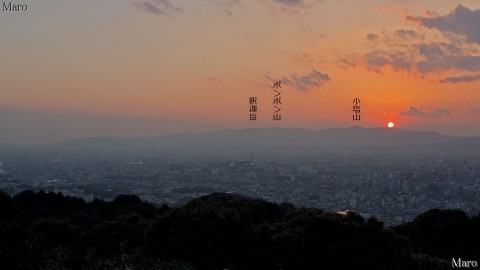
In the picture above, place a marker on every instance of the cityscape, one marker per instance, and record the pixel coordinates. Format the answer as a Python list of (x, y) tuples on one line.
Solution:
[(240, 135), (393, 188)]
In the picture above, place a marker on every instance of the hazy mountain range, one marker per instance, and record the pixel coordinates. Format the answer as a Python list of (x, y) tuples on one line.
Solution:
[(33, 128), (78, 131), (272, 139)]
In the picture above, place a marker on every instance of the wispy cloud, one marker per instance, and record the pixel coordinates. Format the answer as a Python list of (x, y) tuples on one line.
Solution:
[(159, 7), (461, 79), (375, 60), (225, 5), (304, 82), (304, 58), (165, 7), (445, 56), (349, 61), (290, 2), (408, 35), (346, 63), (397, 59), (436, 113), (213, 80), (407, 49), (430, 14), (289, 5), (372, 37), (475, 109), (461, 21)]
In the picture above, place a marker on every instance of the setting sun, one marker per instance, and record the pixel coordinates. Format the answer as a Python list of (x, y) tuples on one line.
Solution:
[(390, 124)]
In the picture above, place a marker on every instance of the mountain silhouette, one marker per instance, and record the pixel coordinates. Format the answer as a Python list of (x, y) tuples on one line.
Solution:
[(264, 139)]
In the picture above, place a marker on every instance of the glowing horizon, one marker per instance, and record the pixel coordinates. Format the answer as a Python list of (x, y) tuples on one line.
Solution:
[(417, 63)]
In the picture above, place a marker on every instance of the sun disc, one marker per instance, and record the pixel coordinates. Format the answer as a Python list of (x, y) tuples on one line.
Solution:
[(390, 124)]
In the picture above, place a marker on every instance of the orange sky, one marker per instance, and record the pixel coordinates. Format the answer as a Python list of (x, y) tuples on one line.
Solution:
[(416, 63)]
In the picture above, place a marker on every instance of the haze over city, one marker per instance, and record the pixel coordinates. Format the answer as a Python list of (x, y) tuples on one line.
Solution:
[(235, 134)]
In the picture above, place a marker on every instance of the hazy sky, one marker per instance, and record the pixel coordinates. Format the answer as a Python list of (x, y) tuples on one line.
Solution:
[(415, 62)]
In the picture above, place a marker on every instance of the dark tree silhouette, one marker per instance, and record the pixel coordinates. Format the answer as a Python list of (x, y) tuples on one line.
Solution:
[(221, 231)]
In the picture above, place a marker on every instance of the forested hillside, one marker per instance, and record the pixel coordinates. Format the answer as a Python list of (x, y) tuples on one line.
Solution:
[(221, 231)]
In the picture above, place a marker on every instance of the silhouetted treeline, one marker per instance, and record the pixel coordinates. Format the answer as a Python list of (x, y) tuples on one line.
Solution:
[(221, 231)]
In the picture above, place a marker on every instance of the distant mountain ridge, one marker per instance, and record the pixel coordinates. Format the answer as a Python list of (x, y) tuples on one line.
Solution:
[(284, 138), (39, 128)]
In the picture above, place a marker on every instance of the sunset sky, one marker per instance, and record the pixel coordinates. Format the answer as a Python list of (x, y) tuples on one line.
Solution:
[(413, 62)]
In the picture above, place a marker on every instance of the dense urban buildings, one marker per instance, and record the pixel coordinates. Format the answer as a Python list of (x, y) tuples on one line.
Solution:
[(394, 188)]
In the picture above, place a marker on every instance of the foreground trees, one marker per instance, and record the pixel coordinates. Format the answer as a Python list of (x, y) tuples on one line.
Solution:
[(221, 231)]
